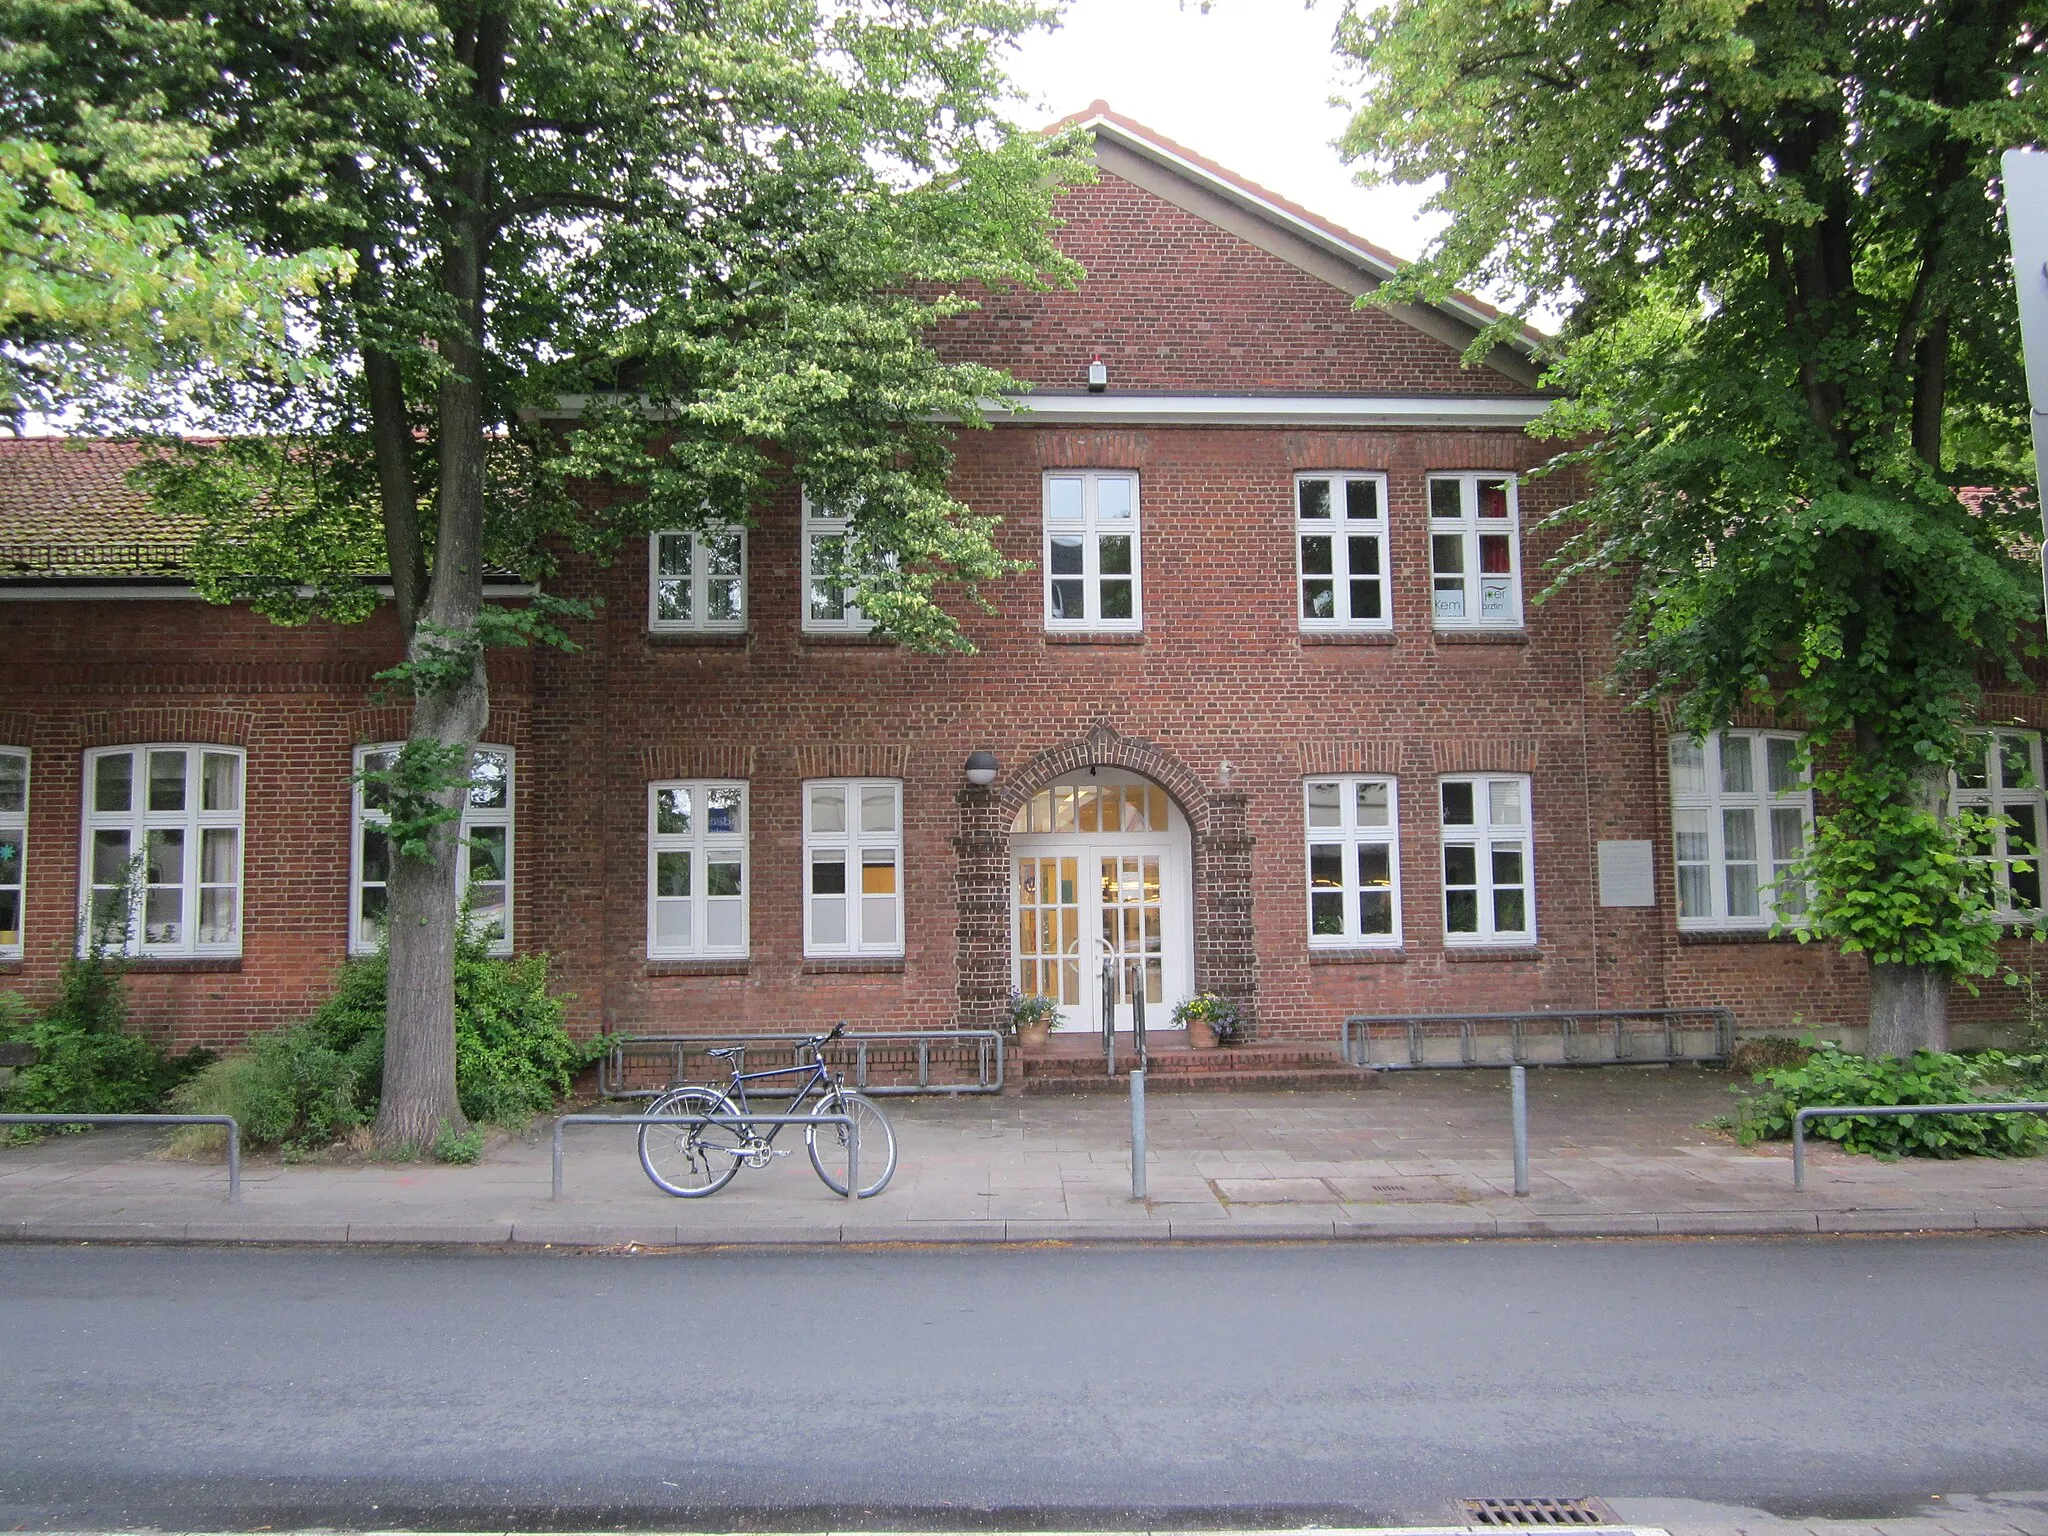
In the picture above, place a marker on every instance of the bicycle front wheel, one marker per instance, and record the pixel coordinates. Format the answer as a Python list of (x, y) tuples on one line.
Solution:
[(831, 1146), (691, 1160)]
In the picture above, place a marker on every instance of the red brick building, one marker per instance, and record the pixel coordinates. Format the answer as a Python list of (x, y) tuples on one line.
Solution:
[(1275, 714)]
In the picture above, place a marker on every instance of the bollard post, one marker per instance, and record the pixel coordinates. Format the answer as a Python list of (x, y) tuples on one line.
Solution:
[(1799, 1150), (1137, 1076), (1518, 1086), (852, 1154), (234, 1161)]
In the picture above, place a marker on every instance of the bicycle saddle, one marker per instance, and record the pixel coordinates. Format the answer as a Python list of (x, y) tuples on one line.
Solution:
[(728, 1052)]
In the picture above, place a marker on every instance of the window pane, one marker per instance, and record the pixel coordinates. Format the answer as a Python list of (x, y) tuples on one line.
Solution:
[(1742, 891), (878, 872), (1458, 804), (2015, 762), (163, 916), (1113, 499), (672, 602), (1362, 499), (1313, 497), (1325, 804), (721, 811), (722, 599), (672, 874), (1461, 864), (1373, 804), (722, 553), (1326, 866), (672, 554), (828, 875), (1493, 498), (1690, 835), (1737, 777), (113, 782), (1510, 912), (1507, 863), (376, 795), (1365, 600), (167, 781), (486, 909), (1447, 554), (1496, 597), (217, 907), (1788, 834), (1066, 559), (218, 864), (1326, 912), (1319, 599), (1970, 769), (1461, 911), (1450, 597), (878, 921), (1067, 600), (109, 856), (1738, 835), (1365, 555), (164, 859), (13, 782), (828, 920), (1375, 865), (1504, 801), (723, 879), (221, 782), (828, 810), (672, 810), (1063, 499), (672, 924), (1688, 767), (1695, 891), (1493, 554), (1781, 765), (1317, 555), (1113, 554), (490, 781), (1116, 598), (487, 853), (10, 859), (1446, 499)]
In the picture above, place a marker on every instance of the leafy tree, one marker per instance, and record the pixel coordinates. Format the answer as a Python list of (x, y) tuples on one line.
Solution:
[(1775, 232), (727, 224)]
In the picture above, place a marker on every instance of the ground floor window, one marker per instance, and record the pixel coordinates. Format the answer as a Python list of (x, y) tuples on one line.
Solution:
[(483, 863), (1488, 885), (1354, 863), (1741, 809), (853, 867), (163, 849), (13, 848), (697, 868), (2002, 779)]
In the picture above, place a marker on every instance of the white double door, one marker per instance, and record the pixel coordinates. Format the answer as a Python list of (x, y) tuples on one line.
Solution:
[(1081, 902)]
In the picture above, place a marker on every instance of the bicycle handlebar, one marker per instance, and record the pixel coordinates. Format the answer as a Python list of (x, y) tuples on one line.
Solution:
[(813, 1042)]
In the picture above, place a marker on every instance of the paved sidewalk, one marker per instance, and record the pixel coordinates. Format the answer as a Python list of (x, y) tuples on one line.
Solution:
[(1613, 1152)]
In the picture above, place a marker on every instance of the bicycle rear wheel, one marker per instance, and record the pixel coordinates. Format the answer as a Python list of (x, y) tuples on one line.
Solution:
[(830, 1146), (691, 1160)]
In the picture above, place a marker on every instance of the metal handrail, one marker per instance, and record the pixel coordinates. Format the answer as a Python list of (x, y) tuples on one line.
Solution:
[(234, 1133), (741, 1121), (1568, 1023), (988, 1044), (2022, 1107)]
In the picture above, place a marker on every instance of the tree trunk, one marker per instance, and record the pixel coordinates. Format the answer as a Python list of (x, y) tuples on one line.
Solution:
[(1908, 1010)]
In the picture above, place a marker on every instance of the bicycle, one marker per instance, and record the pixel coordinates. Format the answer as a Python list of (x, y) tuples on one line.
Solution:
[(697, 1159)]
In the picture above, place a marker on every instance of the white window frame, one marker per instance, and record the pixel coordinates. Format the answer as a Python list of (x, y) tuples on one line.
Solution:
[(1091, 528), (1488, 837), (1468, 528), (821, 522), (363, 935), (1773, 852), (697, 582), (14, 830), (859, 849), (193, 820), (705, 847), (1999, 799), (1351, 832), (1345, 534)]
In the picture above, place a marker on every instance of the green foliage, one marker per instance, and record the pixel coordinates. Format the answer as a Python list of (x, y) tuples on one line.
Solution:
[(310, 1084), (1836, 1077), (453, 1146), (1032, 1009), (1219, 1013), (86, 1060)]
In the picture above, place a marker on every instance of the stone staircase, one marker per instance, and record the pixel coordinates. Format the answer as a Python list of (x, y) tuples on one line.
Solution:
[(1073, 1064)]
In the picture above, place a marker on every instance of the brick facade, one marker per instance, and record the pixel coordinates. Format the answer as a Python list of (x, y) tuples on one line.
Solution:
[(1222, 700)]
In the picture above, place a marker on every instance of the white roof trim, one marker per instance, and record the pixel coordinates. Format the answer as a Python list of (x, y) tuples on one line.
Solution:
[(91, 589), (1270, 410), (1223, 187)]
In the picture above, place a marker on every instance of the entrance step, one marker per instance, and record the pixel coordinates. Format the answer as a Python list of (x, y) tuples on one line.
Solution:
[(1063, 1068)]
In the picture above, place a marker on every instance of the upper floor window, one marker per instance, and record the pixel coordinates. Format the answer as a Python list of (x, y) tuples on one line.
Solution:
[(828, 593), (163, 849), (1091, 551), (483, 858), (697, 582), (1488, 885), (697, 868), (1341, 545), (1741, 808), (13, 848), (853, 867), (1354, 862), (1475, 558), (2003, 780)]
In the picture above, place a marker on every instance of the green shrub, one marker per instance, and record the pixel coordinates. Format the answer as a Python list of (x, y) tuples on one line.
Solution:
[(1836, 1077), (465, 1147), (312, 1083), (86, 1061)]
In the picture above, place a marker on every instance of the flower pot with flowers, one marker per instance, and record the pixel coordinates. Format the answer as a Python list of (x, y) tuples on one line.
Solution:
[(1209, 1020), (1033, 1017)]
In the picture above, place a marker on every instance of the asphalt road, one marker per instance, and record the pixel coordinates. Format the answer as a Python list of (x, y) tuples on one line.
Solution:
[(211, 1389)]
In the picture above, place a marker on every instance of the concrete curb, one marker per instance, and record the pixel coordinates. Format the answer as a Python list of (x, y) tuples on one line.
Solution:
[(1408, 1225)]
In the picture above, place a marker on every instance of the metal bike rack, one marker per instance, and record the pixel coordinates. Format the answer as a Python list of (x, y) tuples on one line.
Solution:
[(989, 1059), (1587, 1037), (234, 1133), (739, 1121), (1893, 1111)]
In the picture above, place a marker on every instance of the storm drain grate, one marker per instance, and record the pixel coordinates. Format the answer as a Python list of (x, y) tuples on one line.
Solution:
[(1526, 1512)]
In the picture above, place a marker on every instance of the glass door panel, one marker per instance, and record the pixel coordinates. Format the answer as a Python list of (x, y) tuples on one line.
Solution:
[(1049, 934), (1132, 936)]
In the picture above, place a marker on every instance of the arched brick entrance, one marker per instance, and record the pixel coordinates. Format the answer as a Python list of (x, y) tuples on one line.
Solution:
[(1225, 962)]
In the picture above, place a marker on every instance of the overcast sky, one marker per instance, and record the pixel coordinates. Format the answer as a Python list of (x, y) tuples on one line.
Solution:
[(1248, 84)]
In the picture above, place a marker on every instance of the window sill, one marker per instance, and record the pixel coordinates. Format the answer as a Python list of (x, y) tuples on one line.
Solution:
[(172, 965), (855, 965), (1482, 637), (711, 639), (1347, 637), (1733, 936), (847, 638), (1095, 637), (696, 967), (1358, 957), (1483, 955)]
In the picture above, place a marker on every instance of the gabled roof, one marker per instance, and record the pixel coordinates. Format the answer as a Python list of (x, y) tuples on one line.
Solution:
[(1374, 262), (67, 509)]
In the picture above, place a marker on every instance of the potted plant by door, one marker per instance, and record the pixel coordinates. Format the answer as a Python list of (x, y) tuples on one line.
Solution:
[(1209, 1020), (1033, 1018)]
